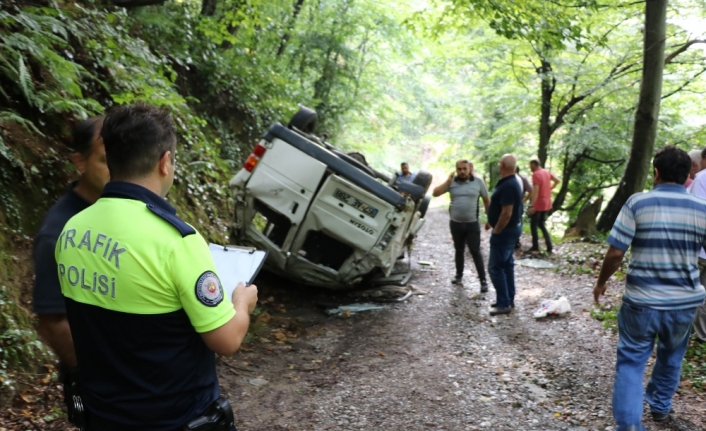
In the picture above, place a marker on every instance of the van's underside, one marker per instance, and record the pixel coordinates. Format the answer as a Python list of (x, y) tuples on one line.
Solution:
[(325, 222)]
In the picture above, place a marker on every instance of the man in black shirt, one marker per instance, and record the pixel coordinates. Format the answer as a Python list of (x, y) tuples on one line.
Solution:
[(505, 217), (88, 155)]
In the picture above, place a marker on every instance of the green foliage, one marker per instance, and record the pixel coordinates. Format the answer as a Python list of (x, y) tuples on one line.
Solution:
[(542, 23), (55, 414), (608, 314), (694, 365), (37, 57), (6, 152), (19, 346)]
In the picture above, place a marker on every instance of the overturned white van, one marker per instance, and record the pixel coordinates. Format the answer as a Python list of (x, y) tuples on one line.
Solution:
[(326, 218)]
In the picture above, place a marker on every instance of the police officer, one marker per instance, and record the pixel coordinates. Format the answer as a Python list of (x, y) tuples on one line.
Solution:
[(146, 308), (88, 155)]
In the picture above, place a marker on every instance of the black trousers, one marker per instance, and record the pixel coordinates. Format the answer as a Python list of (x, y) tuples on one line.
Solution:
[(467, 234), (537, 220)]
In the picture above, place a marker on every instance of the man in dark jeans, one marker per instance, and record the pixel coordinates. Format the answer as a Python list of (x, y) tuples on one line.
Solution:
[(543, 182), (465, 189), (505, 218)]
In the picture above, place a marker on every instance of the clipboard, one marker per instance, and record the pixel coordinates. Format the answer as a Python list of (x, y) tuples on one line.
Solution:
[(236, 264)]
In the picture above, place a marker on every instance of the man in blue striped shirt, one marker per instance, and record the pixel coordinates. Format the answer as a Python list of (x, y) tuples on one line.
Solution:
[(665, 229)]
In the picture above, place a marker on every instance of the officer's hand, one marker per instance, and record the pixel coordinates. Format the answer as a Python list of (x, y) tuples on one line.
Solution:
[(245, 296), (487, 226), (451, 177)]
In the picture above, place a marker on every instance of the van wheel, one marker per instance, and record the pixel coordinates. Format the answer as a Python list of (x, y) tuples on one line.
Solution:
[(305, 120), (423, 178), (424, 205)]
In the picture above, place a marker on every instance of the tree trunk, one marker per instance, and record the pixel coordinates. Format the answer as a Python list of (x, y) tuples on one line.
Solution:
[(208, 7), (493, 175), (646, 116), (545, 127), (570, 165), (585, 223), (287, 35)]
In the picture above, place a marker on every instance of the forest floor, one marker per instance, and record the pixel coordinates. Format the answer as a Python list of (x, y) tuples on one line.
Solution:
[(437, 361)]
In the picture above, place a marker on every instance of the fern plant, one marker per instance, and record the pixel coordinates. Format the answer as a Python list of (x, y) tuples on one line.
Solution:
[(33, 71)]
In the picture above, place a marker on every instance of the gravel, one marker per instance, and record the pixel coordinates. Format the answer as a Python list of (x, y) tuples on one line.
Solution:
[(439, 361)]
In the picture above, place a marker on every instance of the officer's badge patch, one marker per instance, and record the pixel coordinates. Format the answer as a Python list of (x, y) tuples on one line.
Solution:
[(208, 289)]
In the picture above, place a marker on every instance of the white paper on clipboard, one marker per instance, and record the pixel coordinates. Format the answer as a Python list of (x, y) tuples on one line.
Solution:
[(236, 265)]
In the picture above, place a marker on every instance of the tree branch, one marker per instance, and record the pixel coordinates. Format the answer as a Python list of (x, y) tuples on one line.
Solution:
[(618, 71), (596, 6), (605, 161), (559, 120), (584, 193), (589, 52), (668, 59), (517, 78), (681, 87)]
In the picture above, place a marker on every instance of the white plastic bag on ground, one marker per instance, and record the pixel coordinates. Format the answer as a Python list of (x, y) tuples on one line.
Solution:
[(558, 306)]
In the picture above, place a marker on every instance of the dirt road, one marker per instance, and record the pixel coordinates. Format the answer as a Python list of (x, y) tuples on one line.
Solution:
[(435, 362)]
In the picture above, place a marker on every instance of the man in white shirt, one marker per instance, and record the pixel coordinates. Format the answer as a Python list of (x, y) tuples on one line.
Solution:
[(526, 188), (698, 188)]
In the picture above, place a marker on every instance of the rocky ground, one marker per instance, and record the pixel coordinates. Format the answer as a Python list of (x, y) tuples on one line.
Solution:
[(437, 361)]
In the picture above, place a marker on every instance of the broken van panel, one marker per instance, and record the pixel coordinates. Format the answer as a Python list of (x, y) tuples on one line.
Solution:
[(326, 218)]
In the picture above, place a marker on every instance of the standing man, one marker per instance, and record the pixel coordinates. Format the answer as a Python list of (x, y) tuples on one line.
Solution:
[(543, 182), (146, 308), (465, 189), (698, 188), (88, 155), (665, 228), (505, 218), (405, 176), (526, 189), (525, 185), (695, 166)]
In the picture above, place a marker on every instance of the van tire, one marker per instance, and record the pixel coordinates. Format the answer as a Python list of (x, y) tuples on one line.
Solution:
[(424, 205), (305, 120), (423, 178)]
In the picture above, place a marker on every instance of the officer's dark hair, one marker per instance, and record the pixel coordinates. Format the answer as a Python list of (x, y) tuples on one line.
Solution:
[(517, 169), (535, 161), (404, 164), (673, 164), (136, 136), (83, 135), (703, 154)]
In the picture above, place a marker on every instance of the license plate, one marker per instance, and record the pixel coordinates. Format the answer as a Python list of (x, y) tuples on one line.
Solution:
[(355, 203)]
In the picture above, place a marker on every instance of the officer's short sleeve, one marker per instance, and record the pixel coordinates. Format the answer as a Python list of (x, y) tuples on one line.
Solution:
[(198, 286), (47, 297)]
